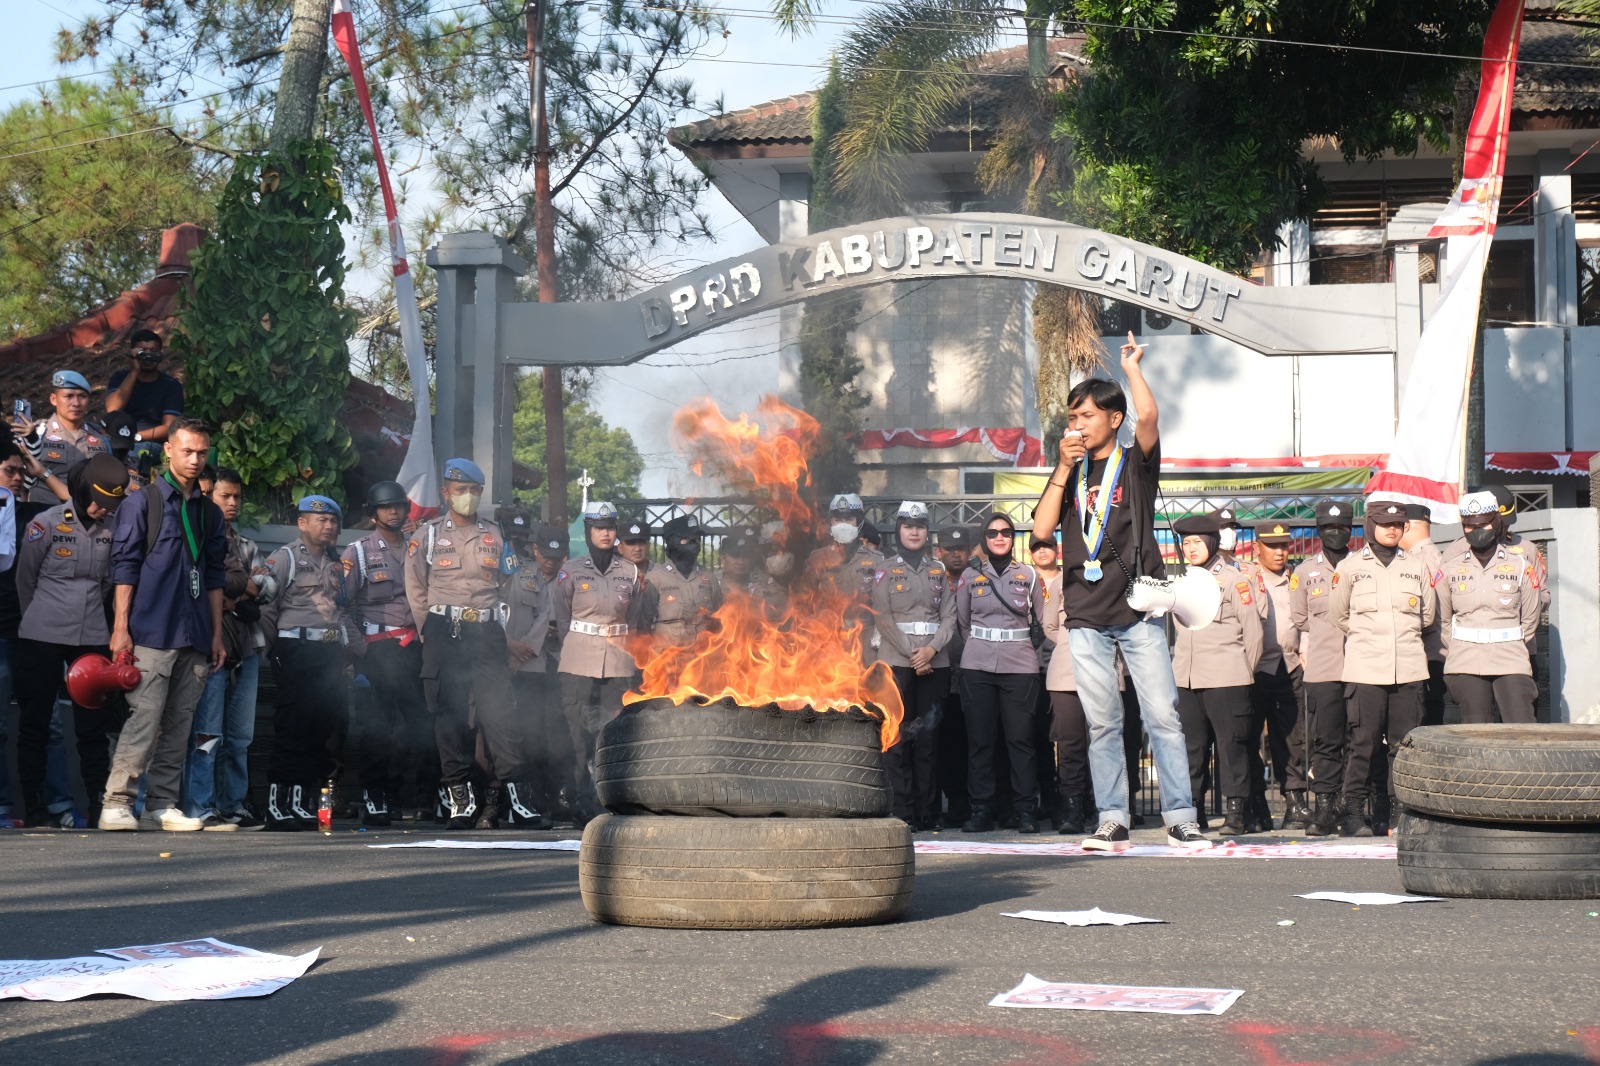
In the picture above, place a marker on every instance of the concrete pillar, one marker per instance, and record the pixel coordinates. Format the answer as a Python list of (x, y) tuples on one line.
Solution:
[(474, 392), (1555, 245)]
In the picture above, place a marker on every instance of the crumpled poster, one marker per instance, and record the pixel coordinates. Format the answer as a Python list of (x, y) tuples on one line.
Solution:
[(1035, 992), (185, 969)]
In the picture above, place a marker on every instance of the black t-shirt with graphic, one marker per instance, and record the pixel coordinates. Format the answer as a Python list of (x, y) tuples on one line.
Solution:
[(1129, 547)]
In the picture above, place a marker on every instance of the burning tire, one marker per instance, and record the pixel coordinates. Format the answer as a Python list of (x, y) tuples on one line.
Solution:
[(1488, 860), (723, 759), (1521, 774), (695, 873)]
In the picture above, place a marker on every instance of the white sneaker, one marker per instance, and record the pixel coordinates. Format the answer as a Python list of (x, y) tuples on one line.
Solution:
[(112, 818), (169, 818)]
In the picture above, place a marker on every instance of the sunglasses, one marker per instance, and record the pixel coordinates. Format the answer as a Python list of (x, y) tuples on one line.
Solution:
[(1008, 534), (13, 471)]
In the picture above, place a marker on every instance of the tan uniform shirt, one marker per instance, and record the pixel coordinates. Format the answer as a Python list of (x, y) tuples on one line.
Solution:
[(63, 578), (682, 605), (1382, 610), (1249, 568), (849, 575), (59, 447), (583, 593), (1321, 643), (1051, 610), (1517, 545), (1280, 641), (529, 613), (913, 596), (1488, 615), (1225, 653), (982, 599), (310, 591), (1432, 559), (1047, 601), (451, 562), (375, 583), (760, 585)]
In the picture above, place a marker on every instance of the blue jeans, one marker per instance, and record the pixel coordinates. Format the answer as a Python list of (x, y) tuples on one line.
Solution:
[(218, 780), (1094, 664)]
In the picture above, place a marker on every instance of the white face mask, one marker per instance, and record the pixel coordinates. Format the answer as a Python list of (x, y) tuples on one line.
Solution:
[(780, 564), (465, 504), (1227, 539), (844, 532)]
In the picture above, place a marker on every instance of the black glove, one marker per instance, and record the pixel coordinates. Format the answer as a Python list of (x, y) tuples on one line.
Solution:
[(247, 611)]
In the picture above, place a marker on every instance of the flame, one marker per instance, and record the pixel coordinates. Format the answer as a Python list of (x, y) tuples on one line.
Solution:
[(808, 657)]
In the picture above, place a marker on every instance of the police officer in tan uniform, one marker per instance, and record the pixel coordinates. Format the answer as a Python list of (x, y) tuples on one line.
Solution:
[(1488, 612), (916, 613), (1214, 668), (743, 572), (63, 574), (456, 567), (305, 623), (530, 619), (1000, 675), (848, 565), (633, 544), (1322, 664), (65, 438), (683, 595), (384, 641), (1382, 600), (597, 600), (955, 551), (1276, 691)]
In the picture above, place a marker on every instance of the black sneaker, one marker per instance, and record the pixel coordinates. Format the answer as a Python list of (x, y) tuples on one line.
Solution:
[(1111, 836), (1186, 835)]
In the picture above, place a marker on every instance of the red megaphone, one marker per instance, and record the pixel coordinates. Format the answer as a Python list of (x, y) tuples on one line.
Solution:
[(93, 678)]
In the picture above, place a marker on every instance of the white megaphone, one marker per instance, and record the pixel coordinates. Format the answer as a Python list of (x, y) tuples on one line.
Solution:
[(1193, 598)]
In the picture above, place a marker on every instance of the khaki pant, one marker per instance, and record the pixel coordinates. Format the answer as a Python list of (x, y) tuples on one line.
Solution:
[(156, 736)]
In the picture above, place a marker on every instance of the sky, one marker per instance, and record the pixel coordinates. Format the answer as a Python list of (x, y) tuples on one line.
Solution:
[(756, 64)]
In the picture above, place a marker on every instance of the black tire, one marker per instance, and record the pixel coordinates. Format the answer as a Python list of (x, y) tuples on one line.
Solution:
[(1488, 860), (745, 873), (721, 759), (1502, 773)]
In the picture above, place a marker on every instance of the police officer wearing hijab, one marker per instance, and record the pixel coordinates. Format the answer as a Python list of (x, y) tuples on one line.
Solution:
[(1214, 668), (1322, 663), (916, 613), (955, 551), (1383, 598), (1000, 672), (597, 600), (1489, 612)]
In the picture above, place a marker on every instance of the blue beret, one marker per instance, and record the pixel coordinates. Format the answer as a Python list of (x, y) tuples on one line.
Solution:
[(320, 505), (69, 379), (464, 470)]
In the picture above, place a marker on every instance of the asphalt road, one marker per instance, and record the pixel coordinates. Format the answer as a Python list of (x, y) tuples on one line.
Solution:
[(452, 958)]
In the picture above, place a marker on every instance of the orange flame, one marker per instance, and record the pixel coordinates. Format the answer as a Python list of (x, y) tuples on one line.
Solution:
[(810, 656)]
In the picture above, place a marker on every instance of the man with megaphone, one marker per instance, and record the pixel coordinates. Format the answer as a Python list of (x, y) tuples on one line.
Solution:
[(1102, 495)]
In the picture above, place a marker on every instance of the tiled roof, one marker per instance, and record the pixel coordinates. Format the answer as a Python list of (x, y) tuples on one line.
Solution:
[(1540, 88), (97, 344)]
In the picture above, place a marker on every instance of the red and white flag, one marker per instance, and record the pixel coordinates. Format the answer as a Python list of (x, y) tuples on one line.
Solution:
[(1429, 443), (416, 471)]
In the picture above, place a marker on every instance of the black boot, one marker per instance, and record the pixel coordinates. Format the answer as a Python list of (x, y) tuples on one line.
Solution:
[(1354, 822), (1233, 816), (280, 816), (1071, 819), (463, 805), (34, 811), (520, 810), (489, 809), (1382, 814), (1262, 811), (303, 801), (375, 807), (1324, 816), (979, 821), (1296, 815), (441, 805), (1027, 818)]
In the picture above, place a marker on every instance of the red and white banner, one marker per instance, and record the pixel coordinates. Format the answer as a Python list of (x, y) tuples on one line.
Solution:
[(1425, 461), (1575, 463), (416, 470), (1012, 444)]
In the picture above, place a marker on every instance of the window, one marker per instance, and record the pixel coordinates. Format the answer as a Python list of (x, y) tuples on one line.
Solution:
[(1337, 264), (1589, 283), (1118, 319), (1508, 283)]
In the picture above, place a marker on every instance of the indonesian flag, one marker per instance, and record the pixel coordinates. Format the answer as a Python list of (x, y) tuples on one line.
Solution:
[(1426, 459), (416, 471)]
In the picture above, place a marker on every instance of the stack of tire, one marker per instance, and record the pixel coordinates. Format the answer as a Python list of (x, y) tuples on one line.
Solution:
[(1500, 811), (732, 817)]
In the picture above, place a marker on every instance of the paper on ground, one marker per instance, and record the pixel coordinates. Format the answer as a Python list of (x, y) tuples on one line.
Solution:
[(1161, 851), (195, 969), (1061, 995), (1370, 899), (490, 845), (1095, 916)]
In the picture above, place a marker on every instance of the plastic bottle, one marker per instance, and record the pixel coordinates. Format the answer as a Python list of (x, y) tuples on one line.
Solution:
[(325, 810)]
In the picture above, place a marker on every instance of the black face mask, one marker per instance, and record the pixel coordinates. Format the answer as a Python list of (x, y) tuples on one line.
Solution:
[(1482, 538), (1334, 538), (684, 556)]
